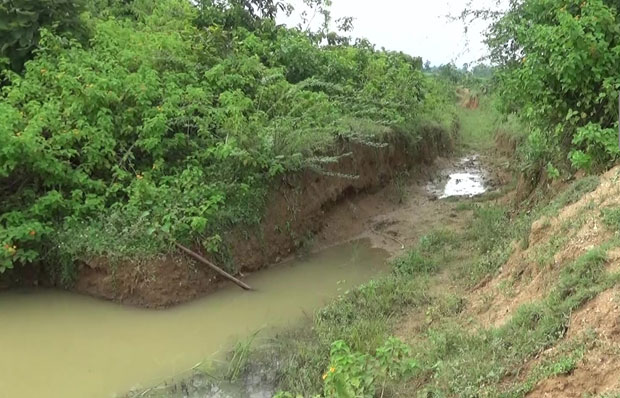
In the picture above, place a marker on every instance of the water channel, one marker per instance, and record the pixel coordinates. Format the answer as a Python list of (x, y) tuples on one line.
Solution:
[(57, 344)]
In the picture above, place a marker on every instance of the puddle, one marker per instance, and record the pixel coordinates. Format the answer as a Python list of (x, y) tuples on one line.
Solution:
[(55, 344), (463, 184), (466, 178)]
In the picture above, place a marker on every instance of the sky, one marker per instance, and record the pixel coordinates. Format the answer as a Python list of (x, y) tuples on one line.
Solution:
[(416, 27)]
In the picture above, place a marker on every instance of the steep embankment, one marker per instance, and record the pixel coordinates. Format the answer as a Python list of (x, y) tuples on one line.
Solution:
[(527, 303), (580, 241), (295, 211)]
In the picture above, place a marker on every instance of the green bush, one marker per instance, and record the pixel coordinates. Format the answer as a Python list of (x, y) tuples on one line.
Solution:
[(175, 120), (358, 375), (600, 146), (21, 22), (558, 64)]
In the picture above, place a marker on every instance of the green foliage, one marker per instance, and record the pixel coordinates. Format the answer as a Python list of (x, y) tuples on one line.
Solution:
[(477, 77), (22, 20), (558, 69), (353, 374), (414, 263), (600, 146), (552, 171), (176, 120), (427, 257), (438, 242)]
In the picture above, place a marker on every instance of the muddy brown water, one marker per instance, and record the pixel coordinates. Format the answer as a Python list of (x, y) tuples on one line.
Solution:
[(56, 344)]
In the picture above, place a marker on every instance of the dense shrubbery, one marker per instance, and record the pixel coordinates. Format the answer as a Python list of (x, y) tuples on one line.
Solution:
[(174, 118), (21, 21), (559, 63)]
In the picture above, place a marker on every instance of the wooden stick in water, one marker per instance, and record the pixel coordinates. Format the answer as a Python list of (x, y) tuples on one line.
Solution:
[(214, 267)]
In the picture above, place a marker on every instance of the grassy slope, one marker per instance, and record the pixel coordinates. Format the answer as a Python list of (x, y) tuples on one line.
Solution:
[(425, 301)]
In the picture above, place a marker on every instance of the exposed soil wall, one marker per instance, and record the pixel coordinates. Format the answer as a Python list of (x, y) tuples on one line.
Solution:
[(295, 211), (555, 241)]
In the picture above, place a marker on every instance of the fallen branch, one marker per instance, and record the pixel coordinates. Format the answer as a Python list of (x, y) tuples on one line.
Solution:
[(214, 267), (402, 245)]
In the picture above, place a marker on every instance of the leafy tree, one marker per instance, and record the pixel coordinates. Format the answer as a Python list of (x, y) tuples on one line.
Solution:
[(21, 21), (559, 62)]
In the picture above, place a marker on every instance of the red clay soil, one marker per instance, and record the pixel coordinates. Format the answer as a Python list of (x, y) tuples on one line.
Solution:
[(296, 209)]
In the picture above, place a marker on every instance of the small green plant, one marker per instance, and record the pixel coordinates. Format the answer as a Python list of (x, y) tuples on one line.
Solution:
[(240, 357), (553, 171), (352, 374)]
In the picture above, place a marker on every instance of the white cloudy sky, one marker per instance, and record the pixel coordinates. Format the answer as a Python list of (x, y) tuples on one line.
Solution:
[(416, 27)]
